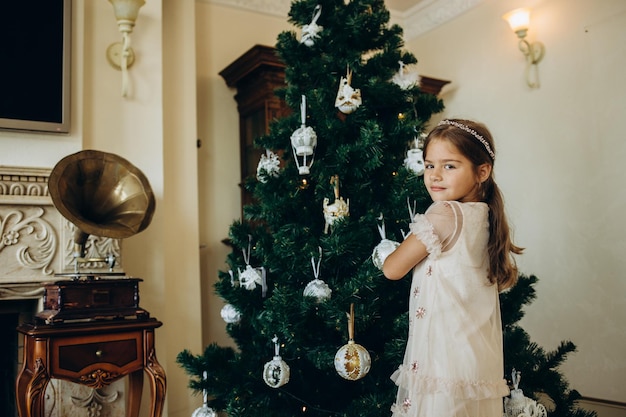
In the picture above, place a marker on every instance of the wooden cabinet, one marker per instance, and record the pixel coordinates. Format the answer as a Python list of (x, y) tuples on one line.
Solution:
[(93, 354), (256, 75)]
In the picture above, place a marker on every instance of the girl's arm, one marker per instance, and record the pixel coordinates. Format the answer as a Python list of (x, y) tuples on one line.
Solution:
[(410, 252)]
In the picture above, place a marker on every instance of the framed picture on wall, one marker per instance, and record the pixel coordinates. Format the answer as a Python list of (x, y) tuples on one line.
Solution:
[(35, 71)]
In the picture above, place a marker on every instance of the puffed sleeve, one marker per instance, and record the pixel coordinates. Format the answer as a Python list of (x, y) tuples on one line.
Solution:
[(439, 227)]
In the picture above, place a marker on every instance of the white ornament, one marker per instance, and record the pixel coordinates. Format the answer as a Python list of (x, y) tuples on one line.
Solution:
[(382, 251), (269, 166), (384, 248), (348, 98), (311, 31), (517, 405), (276, 372), (205, 410), (405, 79), (250, 277), (230, 314), (303, 142), (337, 210), (317, 288), (414, 161), (352, 361)]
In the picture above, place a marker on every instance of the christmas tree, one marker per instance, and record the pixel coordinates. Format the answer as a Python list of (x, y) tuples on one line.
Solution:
[(318, 328)]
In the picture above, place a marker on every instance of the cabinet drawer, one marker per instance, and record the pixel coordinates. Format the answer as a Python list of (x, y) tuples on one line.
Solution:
[(116, 355)]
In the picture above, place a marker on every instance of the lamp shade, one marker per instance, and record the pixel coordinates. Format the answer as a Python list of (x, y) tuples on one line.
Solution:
[(127, 9), (518, 19)]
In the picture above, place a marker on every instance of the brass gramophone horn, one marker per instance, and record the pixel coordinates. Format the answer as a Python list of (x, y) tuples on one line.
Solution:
[(102, 194)]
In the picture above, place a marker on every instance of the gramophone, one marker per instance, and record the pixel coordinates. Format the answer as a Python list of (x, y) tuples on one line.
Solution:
[(104, 195)]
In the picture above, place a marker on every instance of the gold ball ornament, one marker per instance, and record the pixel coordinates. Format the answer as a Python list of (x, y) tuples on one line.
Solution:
[(352, 361)]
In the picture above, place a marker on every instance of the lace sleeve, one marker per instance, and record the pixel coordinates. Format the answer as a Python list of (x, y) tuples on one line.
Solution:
[(423, 230), (439, 227)]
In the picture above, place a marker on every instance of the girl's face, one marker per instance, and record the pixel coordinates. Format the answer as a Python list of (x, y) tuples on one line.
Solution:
[(450, 176)]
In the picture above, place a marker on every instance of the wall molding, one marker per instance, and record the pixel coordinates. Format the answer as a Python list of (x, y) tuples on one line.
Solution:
[(426, 15), (604, 408), (430, 14)]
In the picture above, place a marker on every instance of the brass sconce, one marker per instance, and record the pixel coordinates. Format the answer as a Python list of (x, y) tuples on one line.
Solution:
[(120, 55), (519, 20)]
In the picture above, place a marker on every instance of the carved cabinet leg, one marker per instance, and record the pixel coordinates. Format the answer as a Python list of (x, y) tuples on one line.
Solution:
[(30, 390), (158, 384)]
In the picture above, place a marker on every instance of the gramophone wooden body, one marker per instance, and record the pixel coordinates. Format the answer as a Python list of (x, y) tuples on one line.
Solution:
[(91, 298)]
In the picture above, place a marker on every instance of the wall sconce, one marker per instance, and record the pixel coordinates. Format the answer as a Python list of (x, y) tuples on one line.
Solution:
[(519, 20), (120, 55)]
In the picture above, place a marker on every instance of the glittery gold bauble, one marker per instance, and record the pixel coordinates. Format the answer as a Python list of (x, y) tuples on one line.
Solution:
[(352, 361)]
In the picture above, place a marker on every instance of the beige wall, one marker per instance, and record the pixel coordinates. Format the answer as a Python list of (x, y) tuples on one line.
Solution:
[(560, 164)]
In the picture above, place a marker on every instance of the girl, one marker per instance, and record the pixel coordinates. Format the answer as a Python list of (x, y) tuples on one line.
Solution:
[(460, 251)]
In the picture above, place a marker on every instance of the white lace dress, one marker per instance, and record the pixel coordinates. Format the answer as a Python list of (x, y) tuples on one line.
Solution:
[(453, 364)]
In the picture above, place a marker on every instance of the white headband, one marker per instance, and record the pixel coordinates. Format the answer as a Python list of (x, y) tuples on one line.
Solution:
[(472, 132)]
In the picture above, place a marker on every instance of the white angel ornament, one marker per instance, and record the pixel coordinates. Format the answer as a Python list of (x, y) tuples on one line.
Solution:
[(337, 210), (311, 31), (405, 79), (250, 277), (518, 405), (348, 98), (414, 160), (269, 166)]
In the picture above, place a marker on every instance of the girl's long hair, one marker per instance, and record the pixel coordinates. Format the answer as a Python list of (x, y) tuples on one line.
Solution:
[(502, 267)]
